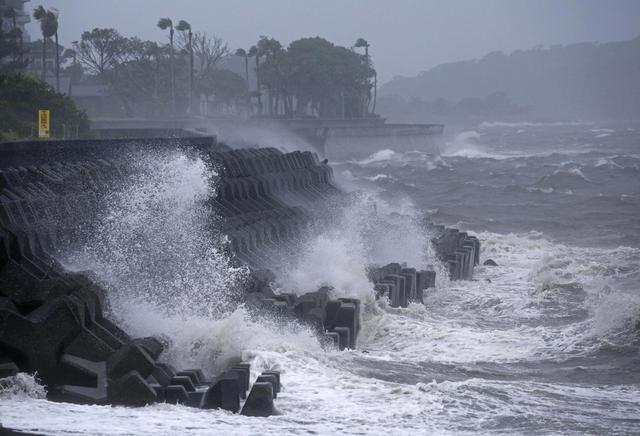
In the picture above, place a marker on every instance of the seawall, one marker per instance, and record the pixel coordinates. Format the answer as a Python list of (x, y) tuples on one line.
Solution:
[(55, 322)]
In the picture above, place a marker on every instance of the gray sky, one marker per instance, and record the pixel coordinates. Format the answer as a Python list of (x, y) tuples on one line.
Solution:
[(406, 36)]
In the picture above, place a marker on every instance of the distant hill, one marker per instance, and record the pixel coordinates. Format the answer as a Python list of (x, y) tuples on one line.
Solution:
[(586, 80)]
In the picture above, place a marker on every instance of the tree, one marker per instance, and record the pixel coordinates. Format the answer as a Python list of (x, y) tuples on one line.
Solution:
[(48, 28), (99, 49), (11, 51), (142, 80), (185, 27), (20, 98), (254, 52), (314, 75), (270, 48), (74, 71), (361, 42), (243, 53), (56, 14), (228, 88), (208, 50), (164, 24), (15, 34)]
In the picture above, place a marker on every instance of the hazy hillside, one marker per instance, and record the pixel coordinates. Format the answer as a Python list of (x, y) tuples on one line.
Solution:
[(586, 80)]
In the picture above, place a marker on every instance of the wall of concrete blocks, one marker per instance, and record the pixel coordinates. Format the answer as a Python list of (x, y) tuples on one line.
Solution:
[(264, 197), (401, 285), (459, 251), (52, 321), (337, 321)]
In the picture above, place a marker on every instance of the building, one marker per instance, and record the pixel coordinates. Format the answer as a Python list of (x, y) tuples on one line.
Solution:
[(35, 58), (22, 16), (96, 99)]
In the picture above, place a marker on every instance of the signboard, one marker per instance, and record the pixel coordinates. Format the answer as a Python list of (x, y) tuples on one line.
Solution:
[(44, 123)]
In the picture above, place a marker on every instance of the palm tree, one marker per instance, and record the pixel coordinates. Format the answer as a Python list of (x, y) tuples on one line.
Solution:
[(55, 15), (243, 53), (48, 27), (253, 51), (164, 24), (183, 26), (361, 42), (269, 48)]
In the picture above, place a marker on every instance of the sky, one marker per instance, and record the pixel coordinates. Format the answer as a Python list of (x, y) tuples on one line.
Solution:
[(406, 36)]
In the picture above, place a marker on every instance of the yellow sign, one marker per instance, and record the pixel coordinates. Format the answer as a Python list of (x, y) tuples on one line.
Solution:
[(44, 123)]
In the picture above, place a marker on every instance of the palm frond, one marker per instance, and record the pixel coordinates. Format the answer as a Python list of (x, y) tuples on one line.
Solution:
[(39, 12), (165, 23), (183, 26)]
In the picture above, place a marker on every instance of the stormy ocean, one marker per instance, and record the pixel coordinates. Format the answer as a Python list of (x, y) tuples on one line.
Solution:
[(547, 342)]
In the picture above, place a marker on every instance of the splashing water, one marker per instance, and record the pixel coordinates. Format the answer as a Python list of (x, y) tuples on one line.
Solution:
[(366, 231), (21, 386), (156, 249), (156, 241)]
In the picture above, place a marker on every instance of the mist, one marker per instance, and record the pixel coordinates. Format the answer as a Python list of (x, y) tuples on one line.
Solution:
[(407, 37), (369, 217)]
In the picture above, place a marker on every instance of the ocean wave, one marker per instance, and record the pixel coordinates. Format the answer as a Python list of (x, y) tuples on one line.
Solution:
[(378, 177), (534, 124), (466, 144), (607, 162), (571, 178), (21, 386), (381, 156), (542, 190), (540, 301), (473, 344)]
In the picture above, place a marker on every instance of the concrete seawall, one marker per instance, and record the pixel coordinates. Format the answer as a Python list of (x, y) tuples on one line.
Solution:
[(335, 139)]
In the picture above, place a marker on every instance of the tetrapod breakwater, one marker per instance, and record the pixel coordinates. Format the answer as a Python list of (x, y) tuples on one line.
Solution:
[(57, 323)]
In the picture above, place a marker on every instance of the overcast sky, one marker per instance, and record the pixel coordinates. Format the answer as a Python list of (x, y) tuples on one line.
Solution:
[(406, 36)]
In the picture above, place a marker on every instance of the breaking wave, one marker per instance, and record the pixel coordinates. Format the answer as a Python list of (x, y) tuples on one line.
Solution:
[(466, 144), (534, 124), (569, 179), (21, 386), (551, 332)]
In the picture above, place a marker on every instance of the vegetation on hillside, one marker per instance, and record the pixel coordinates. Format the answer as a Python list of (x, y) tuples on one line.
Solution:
[(587, 80)]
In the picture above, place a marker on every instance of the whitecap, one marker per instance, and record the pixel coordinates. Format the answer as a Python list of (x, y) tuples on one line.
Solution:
[(534, 124)]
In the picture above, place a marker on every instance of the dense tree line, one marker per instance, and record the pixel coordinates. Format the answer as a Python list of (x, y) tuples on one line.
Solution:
[(155, 79), (22, 96), (310, 77), (496, 104), (315, 77)]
